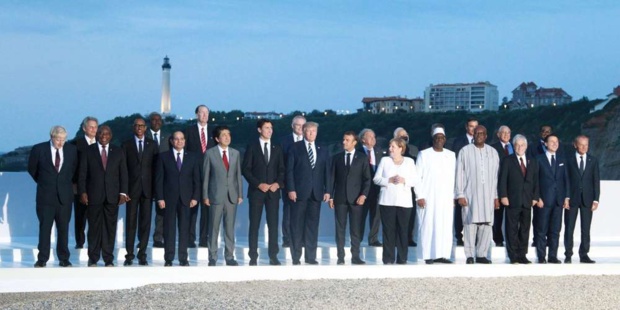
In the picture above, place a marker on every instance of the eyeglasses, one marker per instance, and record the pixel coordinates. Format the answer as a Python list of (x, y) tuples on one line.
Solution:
[(139, 125)]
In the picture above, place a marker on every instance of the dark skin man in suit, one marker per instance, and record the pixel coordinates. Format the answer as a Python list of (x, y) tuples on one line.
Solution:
[(162, 140)]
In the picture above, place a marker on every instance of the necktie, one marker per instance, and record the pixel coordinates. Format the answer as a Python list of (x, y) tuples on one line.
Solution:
[(523, 170), (553, 164), (156, 140), (506, 151), (348, 162), (581, 165), (57, 161), (297, 138), (266, 153), (472, 140), (179, 161), (104, 157), (203, 140), (370, 159), (140, 148), (311, 155), (225, 160)]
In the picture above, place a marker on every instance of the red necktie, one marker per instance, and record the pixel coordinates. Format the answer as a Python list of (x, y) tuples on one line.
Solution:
[(523, 170), (57, 161), (104, 157), (225, 160), (506, 150), (370, 157), (203, 140)]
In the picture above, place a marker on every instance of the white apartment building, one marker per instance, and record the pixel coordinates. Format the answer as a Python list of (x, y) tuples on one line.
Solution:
[(471, 97)]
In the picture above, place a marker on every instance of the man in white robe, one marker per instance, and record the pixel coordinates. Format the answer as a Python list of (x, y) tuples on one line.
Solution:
[(476, 190), (436, 166)]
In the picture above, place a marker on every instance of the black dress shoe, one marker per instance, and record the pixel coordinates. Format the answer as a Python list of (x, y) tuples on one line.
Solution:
[(443, 260), (499, 244), (203, 245), (128, 262), (524, 260), (401, 262), (482, 260), (586, 260), (231, 262), (168, 263), (567, 260), (184, 263), (192, 245), (554, 261), (158, 244), (253, 262), (77, 246), (296, 262), (429, 261), (460, 243), (286, 244), (469, 261), (312, 262), (109, 264), (65, 263), (143, 262), (357, 261), (212, 262), (39, 264), (412, 243), (92, 264), (542, 261), (514, 261), (340, 261), (376, 244), (274, 262)]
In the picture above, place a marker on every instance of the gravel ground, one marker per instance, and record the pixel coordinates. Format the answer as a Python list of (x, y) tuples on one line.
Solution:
[(566, 292)]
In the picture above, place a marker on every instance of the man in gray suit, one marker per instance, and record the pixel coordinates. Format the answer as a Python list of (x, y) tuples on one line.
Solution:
[(221, 190)]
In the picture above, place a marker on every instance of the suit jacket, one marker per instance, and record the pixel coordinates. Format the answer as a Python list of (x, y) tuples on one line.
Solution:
[(378, 154), (286, 142), (81, 146), (301, 178), (218, 184), (53, 186), (164, 140), (521, 191), (140, 169), (553, 183), (500, 150), (586, 188), (257, 171), (172, 185), (460, 142), (350, 183), (536, 148), (103, 185), (192, 139)]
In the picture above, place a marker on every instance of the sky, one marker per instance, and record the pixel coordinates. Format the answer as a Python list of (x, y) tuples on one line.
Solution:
[(64, 60)]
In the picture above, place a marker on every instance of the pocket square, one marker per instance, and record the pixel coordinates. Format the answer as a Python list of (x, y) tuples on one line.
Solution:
[(562, 164)]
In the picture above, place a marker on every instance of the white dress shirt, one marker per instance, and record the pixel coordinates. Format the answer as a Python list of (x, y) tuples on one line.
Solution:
[(62, 155)]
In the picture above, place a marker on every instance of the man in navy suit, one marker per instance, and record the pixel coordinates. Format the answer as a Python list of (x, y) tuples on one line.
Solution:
[(177, 190), (504, 149), (286, 142), (553, 199), (371, 207), (457, 145), (585, 188), (263, 168), (140, 154), (103, 187), (308, 183), (52, 165), (162, 141), (350, 175)]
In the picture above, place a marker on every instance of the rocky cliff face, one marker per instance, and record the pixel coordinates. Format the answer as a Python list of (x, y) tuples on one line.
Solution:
[(604, 132)]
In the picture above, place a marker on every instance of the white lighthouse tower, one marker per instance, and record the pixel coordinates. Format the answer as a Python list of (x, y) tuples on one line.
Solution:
[(165, 86)]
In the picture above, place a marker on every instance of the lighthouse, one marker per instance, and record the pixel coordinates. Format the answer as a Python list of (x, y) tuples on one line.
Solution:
[(165, 86)]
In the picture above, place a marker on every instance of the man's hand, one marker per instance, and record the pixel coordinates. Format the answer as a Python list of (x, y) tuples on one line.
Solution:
[(263, 187), (539, 203), (84, 199), (206, 202), (360, 200), (566, 204), (462, 202), (193, 203), (122, 199), (274, 187), (292, 196), (594, 205), (496, 203), (161, 204), (326, 197), (422, 203), (505, 201), (331, 203), (239, 200)]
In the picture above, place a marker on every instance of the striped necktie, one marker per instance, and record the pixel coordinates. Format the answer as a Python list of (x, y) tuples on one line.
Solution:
[(311, 155)]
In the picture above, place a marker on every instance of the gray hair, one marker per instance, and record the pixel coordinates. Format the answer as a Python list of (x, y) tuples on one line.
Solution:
[(501, 128), (310, 124), (296, 118), (519, 137), (364, 131), (88, 119), (58, 131), (397, 130)]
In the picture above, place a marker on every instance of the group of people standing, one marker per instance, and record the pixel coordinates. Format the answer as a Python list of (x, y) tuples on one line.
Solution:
[(473, 188)]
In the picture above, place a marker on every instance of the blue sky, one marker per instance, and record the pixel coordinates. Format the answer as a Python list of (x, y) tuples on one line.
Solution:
[(63, 60)]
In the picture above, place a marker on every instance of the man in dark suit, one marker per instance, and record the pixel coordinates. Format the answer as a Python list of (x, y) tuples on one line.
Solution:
[(197, 141), (411, 151), (162, 141), (504, 148), (585, 188), (140, 154), (177, 190), (371, 207), (554, 198), (457, 145), (52, 165), (103, 187), (286, 142), (350, 175), (263, 168), (89, 127), (308, 183), (518, 191)]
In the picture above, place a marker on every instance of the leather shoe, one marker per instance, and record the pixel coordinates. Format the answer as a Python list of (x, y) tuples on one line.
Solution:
[(158, 244), (296, 262), (212, 262), (469, 261), (460, 243), (376, 244), (514, 261), (253, 262), (192, 245), (567, 260), (65, 263), (499, 244), (128, 262), (77, 246), (231, 262), (524, 260), (586, 260), (357, 261), (286, 244), (168, 263), (312, 262), (92, 264), (412, 243), (554, 261), (429, 261), (401, 262), (184, 263), (109, 264), (203, 245), (340, 261), (143, 262), (482, 260), (542, 261), (274, 262), (443, 260), (39, 264)]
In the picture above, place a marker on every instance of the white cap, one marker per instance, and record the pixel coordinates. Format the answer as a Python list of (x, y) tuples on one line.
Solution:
[(438, 130)]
